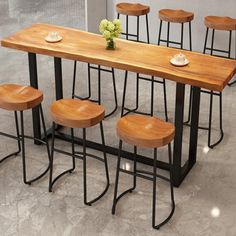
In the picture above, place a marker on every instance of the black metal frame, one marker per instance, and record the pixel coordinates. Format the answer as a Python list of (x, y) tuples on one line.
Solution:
[(212, 49), (21, 142), (145, 175), (168, 41), (213, 93), (81, 155), (136, 109), (99, 69), (180, 170), (140, 77)]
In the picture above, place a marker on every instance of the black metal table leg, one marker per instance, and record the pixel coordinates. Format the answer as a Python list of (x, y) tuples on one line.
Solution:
[(58, 78), (179, 115), (179, 171), (194, 126), (34, 83)]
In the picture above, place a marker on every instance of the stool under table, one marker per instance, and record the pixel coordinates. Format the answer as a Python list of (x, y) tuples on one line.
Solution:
[(18, 98), (74, 114)]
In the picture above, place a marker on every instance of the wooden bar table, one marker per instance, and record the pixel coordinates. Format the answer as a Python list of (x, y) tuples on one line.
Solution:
[(203, 71)]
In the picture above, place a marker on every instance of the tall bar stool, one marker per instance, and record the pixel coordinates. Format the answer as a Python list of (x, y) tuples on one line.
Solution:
[(19, 98), (224, 24), (99, 69), (137, 10), (178, 17), (175, 16), (146, 132), (76, 113)]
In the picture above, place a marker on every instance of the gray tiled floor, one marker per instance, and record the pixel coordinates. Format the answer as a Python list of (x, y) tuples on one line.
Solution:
[(31, 210)]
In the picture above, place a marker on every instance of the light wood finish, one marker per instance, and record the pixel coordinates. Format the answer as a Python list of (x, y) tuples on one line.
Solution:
[(75, 113), (175, 16), (220, 23), (204, 71), (16, 97), (132, 9), (145, 131)]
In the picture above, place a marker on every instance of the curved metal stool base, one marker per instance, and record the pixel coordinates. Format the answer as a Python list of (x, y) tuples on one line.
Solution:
[(83, 156)]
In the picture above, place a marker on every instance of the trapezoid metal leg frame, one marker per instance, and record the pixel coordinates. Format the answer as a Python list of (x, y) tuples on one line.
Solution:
[(145, 175), (83, 156)]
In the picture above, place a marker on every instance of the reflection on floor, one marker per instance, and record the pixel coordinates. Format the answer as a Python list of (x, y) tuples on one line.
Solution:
[(205, 202)]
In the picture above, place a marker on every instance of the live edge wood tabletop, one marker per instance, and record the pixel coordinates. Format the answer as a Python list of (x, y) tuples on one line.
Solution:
[(203, 71)]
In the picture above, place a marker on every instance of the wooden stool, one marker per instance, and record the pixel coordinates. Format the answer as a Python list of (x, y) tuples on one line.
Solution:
[(75, 113), (175, 16), (223, 24), (136, 9), (19, 98), (146, 132), (133, 9)]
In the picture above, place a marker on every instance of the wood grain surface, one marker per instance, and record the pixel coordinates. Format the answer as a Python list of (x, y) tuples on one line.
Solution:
[(76, 113), (176, 16), (145, 131), (16, 97), (204, 71)]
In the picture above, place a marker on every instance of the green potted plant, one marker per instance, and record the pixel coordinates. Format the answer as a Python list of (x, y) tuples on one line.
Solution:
[(110, 30)]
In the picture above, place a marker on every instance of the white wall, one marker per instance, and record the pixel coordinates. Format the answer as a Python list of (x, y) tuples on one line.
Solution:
[(95, 11), (201, 8)]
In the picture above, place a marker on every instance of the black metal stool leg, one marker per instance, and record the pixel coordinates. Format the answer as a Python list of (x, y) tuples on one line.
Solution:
[(190, 36), (105, 157), (84, 167), (210, 118), (159, 37), (52, 156), (124, 94), (127, 27), (154, 190), (135, 169), (205, 44), (212, 41), (165, 100), (182, 35), (72, 149), (137, 28), (86, 202), (168, 34), (74, 77), (152, 95), (99, 85), (23, 147), (17, 133), (117, 179), (53, 149), (147, 26), (115, 95), (210, 122)]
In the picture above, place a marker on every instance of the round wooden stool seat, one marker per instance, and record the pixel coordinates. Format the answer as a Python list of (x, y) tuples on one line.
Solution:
[(75, 113), (16, 97), (220, 23), (175, 16), (132, 9), (145, 131)]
